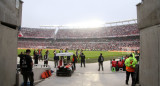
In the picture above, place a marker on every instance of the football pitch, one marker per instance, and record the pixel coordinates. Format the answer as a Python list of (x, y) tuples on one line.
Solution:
[(91, 56)]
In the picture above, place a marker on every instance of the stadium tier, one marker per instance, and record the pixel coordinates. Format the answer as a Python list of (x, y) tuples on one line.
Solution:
[(121, 37), (37, 33), (115, 31)]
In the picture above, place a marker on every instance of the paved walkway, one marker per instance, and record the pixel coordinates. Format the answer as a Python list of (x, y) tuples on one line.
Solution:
[(89, 76)]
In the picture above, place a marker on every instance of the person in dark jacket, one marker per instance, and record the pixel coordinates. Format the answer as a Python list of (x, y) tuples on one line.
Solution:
[(56, 59), (26, 65), (36, 58), (68, 59), (21, 55), (74, 60), (34, 53), (45, 60), (100, 61), (82, 59)]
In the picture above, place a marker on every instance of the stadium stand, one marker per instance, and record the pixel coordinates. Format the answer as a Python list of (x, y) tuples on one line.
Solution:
[(103, 38), (114, 31), (37, 33)]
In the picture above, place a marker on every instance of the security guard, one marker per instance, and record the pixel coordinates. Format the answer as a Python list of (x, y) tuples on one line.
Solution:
[(130, 68)]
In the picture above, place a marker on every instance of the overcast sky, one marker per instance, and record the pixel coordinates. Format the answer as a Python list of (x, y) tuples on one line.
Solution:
[(69, 12)]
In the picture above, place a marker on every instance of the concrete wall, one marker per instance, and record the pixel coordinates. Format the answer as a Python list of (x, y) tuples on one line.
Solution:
[(148, 13), (9, 13), (8, 41), (37, 75), (150, 56), (149, 25), (8, 53)]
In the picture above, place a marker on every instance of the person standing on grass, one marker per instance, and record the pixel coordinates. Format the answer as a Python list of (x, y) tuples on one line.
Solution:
[(26, 65), (47, 52), (100, 61), (68, 57), (21, 55), (74, 60), (45, 60), (61, 50), (40, 54), (56, 59), (77, 54), (36, 58), (34, 53), (82, 59), (81, 53)]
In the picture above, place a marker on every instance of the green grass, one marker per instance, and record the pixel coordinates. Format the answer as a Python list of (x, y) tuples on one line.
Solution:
[(91, 56)]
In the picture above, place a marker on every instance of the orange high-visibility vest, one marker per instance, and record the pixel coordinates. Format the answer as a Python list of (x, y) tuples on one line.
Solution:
[(129, 69)]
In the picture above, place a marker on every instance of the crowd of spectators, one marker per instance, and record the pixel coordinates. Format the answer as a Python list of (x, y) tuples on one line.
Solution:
[(114, 31), (31, 43), (37, 33), (112, 45), (105, 38)]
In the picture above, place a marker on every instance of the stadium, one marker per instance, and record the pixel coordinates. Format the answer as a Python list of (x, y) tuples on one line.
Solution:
[(80, 42), (118, 38)]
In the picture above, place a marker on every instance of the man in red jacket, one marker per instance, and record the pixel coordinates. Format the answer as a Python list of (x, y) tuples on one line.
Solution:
[(114, 63), (120, 64)]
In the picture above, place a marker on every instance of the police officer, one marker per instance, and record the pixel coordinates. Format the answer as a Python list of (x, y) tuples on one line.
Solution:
[(130, 64), (26, 65), (82, 59)]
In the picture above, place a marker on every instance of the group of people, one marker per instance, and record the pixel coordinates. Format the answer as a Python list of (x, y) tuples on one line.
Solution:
[(102, 45), (129, 62), (37, 55), (129, 29), (74, 60), (26, 63), (37, 32)]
